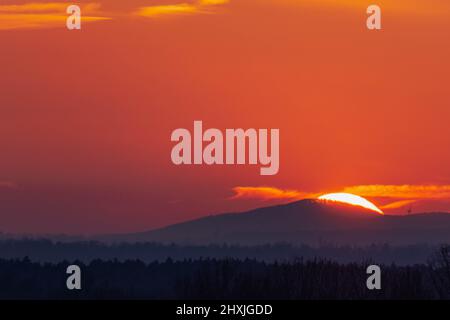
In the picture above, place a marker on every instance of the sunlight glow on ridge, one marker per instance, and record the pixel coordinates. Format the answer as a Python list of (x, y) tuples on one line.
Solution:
[(351, 199)]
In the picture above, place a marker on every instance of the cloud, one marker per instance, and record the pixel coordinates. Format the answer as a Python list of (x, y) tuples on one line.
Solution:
[(403, 194), (47, 7), (201, 6), (268, 193), (402, 191), (43, 15), (172, 9), (434, 8), (40, 15), (397, 204), (213, 2)]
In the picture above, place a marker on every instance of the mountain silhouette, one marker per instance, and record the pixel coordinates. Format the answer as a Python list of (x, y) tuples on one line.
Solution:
[(308, 221)]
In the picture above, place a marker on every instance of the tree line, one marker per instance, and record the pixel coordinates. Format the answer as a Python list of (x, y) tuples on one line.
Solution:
[(225, 279), (44, 250)]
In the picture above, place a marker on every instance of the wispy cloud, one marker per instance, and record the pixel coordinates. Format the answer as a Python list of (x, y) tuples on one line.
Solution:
[(269, 193), (41, 15), (397, 204), (45, 7), (433, 8), (402, 194), (44, 15), (213, 2), (201, 6), (172, 9), (402, 191)]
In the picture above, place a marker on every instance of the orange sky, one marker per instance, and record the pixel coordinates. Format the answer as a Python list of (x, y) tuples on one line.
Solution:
[(86, 116)]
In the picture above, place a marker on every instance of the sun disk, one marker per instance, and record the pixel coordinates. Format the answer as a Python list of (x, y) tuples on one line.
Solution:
[(351, 199)]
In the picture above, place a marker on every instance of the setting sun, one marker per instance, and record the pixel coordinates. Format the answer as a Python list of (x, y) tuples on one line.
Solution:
[(351, 199)]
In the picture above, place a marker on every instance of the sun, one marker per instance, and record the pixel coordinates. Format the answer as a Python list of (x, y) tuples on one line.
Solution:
[(351, 199)]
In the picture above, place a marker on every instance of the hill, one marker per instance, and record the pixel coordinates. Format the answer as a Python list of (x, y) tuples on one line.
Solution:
[(307, 221)]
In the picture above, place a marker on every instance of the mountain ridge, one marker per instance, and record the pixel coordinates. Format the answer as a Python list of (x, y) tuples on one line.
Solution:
[(308, 221)]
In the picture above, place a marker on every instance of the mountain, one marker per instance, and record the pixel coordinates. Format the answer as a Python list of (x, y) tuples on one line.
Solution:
[(308, 222)]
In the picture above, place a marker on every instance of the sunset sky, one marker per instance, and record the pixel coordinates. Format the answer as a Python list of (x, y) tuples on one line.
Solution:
[(86, 116)]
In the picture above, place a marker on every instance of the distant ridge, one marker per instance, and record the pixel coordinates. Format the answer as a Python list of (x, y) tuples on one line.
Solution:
[(308, 221)]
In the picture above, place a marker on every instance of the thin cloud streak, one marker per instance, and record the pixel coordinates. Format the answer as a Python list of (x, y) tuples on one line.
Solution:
[(269, 193), (397, 204), (430, 8), (402, 191), (175, 9), (46, 7), (201, 6), (44, 15)]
